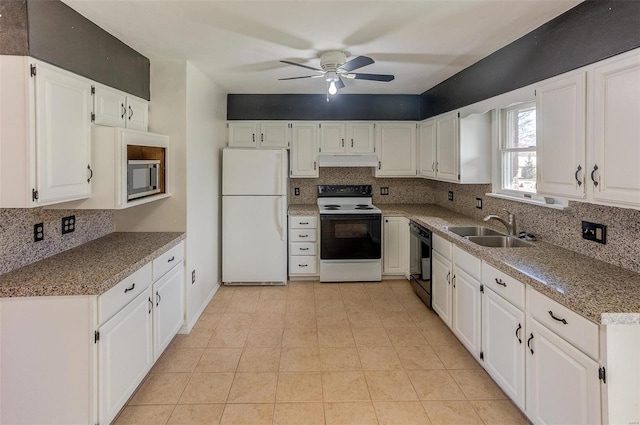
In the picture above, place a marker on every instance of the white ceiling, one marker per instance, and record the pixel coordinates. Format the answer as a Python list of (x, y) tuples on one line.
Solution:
[(239, 43)]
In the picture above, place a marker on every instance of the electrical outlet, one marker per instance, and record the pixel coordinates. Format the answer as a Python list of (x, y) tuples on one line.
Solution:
[(594, 232), (38, 232), (193, 276), (384, 190), (450, 196), (296, 191), (68, 224), (479, 203)]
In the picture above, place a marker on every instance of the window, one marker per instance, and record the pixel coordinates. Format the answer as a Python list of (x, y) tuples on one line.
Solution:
[(517, 150)]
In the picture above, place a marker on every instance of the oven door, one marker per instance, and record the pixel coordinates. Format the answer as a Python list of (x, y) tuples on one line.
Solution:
[(350, 236)]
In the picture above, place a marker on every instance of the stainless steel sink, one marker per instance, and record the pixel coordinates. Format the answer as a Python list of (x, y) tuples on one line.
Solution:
[(499, 241), (473, 231)]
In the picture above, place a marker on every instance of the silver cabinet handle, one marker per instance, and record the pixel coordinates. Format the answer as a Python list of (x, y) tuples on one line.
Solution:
[(343, 143), (448, 280), (433, 166), (158, 298), (579, 181), (379, 165), (436, 167), (253, 137), (90, 171), (314, 165), (351, 142), (454, 280)]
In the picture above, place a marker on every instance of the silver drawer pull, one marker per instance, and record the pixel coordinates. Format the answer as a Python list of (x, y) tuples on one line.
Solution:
[(133, 285), (171, 259), (304, 222), (557, 318), (500, 282), (304, 249), (303, 265), (304, 236)]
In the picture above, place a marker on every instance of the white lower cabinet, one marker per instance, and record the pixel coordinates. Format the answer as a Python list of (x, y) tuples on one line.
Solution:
[(125, 354), (465, 311), (441, 287), (395, 246), (168, 311), (303, 246)]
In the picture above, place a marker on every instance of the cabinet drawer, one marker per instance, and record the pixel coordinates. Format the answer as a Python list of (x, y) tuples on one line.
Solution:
[(303, 264), (467, 262), (303, 222), (569, 325), (302, 248), (302, 235), (507, 287), (442, 246), (124, 292), (168, 260)]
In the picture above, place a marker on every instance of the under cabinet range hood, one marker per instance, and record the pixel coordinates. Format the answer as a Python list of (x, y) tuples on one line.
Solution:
[(328, 160)]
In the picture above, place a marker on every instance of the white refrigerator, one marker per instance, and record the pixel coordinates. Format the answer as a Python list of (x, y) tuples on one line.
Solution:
[(254, 216)]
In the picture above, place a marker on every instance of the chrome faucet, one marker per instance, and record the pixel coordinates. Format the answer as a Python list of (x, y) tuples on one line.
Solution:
[(510, 223)]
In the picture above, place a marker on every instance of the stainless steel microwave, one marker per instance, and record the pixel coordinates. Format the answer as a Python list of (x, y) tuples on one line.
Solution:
[(143, 178)]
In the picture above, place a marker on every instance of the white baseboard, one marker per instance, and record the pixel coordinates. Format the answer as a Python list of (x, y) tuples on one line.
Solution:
[(186, 328)]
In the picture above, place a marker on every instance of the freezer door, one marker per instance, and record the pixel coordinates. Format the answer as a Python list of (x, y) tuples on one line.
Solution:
[(254, 171), (254, 239)]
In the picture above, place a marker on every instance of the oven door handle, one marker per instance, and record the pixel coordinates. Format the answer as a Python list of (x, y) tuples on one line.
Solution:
[(327, 217)]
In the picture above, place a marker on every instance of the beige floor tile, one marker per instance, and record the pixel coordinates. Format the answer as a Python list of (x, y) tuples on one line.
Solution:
[(364, 319), (300, 338), (274, 293), (144, 415), (339, 358), (406, 337), (301, 305), (388, 304), (439, 334), (228, 338), (332, 321), (371, 337), (451, 413), (327, 292), (419, 358), (195, 339), (264, 338), (196, 414), (411, 303), (396, 319), (390, 385), (300, 321), (161, 388), (344, 386), (294, 359), (352, 289), (298, 414), (259, 360), (178, 360), (455, 356), (401, 413), (216, 306), (235, 321), (208, 322), (435, 385), (335, 337), (271, 306), (477, 385), (358, 413), (243, 305), (330, 306), (299, 386), (268, 320), (219, 360), (247, 414), (499, 412), (379, 358), (253, 388), (207, 388), (358, 304)]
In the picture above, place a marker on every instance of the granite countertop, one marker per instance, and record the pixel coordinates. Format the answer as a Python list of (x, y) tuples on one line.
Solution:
[(89, 269), (599, 291)]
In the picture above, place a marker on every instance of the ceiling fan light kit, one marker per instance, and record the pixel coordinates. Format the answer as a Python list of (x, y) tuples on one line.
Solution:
[(334, 66)]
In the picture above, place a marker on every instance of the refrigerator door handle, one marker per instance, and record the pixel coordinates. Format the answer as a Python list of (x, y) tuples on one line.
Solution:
[(282, 218)]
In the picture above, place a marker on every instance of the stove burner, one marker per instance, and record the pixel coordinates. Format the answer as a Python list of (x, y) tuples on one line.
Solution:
[(363, 207)]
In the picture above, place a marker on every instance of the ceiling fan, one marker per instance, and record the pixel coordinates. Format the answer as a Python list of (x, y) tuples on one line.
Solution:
[(335, 67)]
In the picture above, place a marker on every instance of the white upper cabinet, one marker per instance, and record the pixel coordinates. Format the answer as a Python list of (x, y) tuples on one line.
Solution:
[(304, 150), (345, 138), (427, 149), (45, 137), (115, 108), (447, 132), (396, 149), (614, 165), (560, 134), (265, 134)]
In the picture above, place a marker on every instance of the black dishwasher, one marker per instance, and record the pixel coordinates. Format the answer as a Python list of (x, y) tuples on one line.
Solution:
[(420, 261)]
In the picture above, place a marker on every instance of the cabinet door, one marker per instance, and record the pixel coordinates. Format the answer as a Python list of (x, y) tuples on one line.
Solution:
[(125, 355), (137, 113), (562, 382), (441, 287), (616, 135), (396, 245), (396, 147), (243, 134), (503, 345), (560, 136), (63, 135), (274, 135), (427, 149), (447, 145), (109, 107), (168, 315), (360, 137), (304, 150), (332, 135), (466, 303)]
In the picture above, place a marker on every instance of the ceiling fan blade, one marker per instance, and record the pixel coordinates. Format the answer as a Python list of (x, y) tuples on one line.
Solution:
[(373, 77), (301, 65), (357, 62), (297, 78), (339, 83)]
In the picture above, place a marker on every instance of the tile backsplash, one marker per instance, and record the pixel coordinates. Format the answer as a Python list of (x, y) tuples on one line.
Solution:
[(16, 233)]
